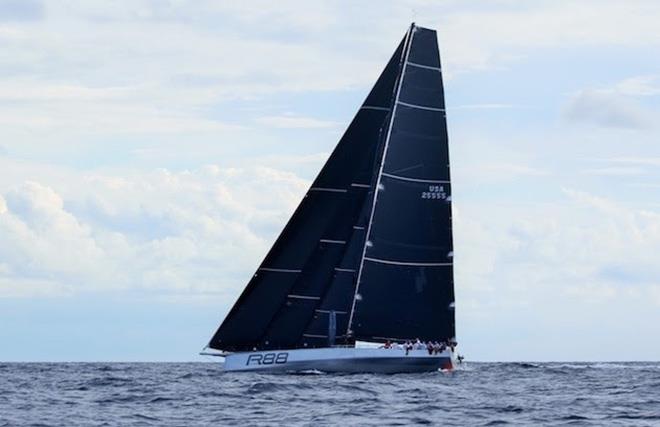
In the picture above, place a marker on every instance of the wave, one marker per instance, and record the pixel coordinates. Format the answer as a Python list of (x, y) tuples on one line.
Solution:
[(166, 395), (160, 399), (268, 387), (573, 417), (525, 365), (145, 417), (108, 381), (308, 372)]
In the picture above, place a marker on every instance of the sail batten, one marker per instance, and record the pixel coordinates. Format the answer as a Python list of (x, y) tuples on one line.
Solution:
[(421, 107), (427, 67), (410, 263), (407, 178)]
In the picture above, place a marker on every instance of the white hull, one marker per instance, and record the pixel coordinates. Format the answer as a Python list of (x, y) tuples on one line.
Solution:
[(340, 360)]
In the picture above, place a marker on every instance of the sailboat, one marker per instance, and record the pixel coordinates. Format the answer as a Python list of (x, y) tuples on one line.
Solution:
[(365, 263)]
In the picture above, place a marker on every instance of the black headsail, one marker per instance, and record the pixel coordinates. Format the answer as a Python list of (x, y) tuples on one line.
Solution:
[(388, 179), (405, 279), (307, 272)]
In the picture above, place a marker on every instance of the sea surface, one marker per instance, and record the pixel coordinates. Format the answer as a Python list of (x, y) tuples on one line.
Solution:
[(200, 394)]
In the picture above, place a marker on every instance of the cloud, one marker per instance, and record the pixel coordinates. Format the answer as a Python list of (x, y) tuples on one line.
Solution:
[(508, 170), (172, 66), (614, 171), (190, 232), (41, 238), (645, 161), (21, 10), (295, 122), (483, 169), (45, 107), (564, 267), (466, 34), (648, 85), (483, 107), (616, 106), (607, 109)]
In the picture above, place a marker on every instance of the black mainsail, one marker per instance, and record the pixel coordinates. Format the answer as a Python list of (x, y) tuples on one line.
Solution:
[(367, 254)]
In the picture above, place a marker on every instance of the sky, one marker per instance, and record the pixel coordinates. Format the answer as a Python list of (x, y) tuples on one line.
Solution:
[(151, 151)]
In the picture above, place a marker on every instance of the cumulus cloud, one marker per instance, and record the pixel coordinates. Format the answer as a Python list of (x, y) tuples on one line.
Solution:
[(191, 232), (616, 106), (609, 109), (40, 238), (556, 271)]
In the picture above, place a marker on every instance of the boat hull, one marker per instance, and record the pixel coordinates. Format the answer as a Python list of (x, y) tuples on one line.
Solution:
[(340, 360)]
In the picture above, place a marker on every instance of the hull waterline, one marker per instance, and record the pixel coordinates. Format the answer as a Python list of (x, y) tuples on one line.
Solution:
[(340, 360)]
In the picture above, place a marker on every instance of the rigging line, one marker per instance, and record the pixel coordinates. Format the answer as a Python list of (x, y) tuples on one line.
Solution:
[(413, 264), (409, 37), (421, 107), (338, 242), (329, 311), (427, 67), (360, 185), (345, 270), (404, 178)]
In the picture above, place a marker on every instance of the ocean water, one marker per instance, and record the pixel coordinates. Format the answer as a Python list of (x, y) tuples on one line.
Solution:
[(200, 394)]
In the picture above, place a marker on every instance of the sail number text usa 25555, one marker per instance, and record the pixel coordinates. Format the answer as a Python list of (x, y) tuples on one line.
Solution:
[(435, 192)]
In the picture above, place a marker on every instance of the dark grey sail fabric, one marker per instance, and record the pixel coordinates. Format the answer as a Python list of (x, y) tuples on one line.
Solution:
[(368, 252), (405, 287), (306, 274)]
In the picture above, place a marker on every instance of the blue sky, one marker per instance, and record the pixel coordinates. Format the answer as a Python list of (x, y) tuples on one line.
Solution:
[(150, 152)]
